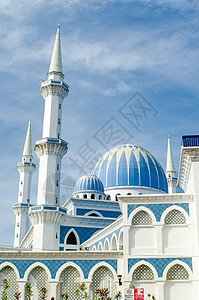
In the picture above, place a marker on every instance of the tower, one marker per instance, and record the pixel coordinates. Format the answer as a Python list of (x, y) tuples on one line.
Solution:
[(50, 150), (25, 169), (170, 171)]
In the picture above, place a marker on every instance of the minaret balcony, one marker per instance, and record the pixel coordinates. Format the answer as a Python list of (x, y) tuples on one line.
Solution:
[(45, 214), (51, 146), (54, 87), (26, 166)]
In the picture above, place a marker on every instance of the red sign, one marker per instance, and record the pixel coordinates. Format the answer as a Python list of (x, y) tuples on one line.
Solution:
[(139, 294)]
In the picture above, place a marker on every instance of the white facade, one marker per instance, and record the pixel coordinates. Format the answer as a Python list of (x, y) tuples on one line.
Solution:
[(125, 219)]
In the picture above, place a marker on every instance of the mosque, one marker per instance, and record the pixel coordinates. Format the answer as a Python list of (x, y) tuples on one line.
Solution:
[(125, 224)]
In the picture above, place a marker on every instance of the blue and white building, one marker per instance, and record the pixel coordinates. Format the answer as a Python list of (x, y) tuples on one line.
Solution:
[(126, 218)]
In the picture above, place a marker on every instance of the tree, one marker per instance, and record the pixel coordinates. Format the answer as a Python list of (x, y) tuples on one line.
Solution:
[(44, 293), (64, 296), (17, 295), (5, 287), (82, 291), (102, 294), (29, 291)]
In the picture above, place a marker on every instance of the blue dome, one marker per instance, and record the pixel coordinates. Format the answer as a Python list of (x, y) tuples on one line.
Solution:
[(129, 165), (89, 183)]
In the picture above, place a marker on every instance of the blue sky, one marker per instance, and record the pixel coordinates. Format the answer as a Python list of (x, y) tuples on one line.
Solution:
[(111, 51)]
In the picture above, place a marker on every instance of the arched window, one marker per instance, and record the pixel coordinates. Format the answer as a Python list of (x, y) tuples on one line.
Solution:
[(70, 281), (93, 215), (116, 197), (174, 217), (106, 245), (142, 218), (71, 239), (103, 278), (129, 194), (143, 272), (77, 196), (108, 197), (85, 196), (100, 197), (38, 279), (100, 246), (121, 241), (92, 196), (113, 243), (9, 274), (177, 272)]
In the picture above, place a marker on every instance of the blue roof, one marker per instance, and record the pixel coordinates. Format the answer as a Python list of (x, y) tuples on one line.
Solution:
[(129, 165), (89, 183), (190, 140)]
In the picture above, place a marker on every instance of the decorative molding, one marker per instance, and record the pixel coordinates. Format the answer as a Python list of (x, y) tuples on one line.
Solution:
[(156, 199), (188, 155), (20, 209), (26, 167), (45, 216), (13, 253), (50, 147), (52, 87)]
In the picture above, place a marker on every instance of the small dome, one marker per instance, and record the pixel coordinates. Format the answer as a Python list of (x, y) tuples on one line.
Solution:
[(89, 183), (129, 165)]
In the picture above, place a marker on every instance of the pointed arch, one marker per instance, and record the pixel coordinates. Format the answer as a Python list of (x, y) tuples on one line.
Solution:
[(172, 208), (69, 281), (66, 265), (102, 264), (100, 247), (106, 245), (120, 240), (35, 265), (177, 262), (8, 273), (103, 277), (114, 242), (72, 230), (93, 212), (38, 279), (140, 263), (9, 264), (140, 209)]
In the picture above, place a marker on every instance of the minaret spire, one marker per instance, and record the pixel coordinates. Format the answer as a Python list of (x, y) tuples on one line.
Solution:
[(50, 150), (56, 59), (170, 170), (170, 163), (28, 142), (25, 168)]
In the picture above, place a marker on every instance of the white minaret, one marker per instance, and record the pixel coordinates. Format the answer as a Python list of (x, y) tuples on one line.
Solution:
[(50, 150), (170, 171), (25, 169)]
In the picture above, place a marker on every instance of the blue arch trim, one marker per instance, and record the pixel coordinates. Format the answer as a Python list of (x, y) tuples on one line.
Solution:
[(159, 263), (54, 265), (158, 209)]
